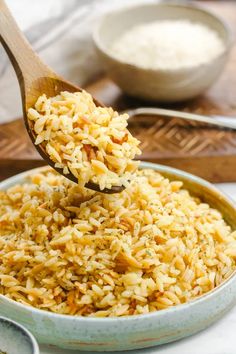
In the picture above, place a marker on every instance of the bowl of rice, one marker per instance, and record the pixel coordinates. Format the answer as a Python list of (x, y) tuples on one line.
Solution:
[(90, 271), (163, 52)]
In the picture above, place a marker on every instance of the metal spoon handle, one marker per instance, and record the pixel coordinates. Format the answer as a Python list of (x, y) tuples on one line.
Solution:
[(182, 115)]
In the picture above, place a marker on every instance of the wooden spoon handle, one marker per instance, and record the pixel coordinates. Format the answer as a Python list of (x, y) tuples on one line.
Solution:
[(24, 60)]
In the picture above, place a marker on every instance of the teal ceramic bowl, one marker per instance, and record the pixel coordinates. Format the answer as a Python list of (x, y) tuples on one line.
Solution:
[(133, 332)]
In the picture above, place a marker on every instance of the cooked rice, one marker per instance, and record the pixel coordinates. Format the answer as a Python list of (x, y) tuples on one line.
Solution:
[(91, 142), (70, 250)]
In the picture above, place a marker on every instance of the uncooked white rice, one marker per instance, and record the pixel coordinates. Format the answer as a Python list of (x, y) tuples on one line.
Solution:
[(91, 142), (168, 44), (70, 250)]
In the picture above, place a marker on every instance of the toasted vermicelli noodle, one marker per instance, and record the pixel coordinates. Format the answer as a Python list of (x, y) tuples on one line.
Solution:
[(91, 142), (70, 250)]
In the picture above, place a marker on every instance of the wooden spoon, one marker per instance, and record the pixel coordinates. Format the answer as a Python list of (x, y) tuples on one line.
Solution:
[(35, 78)]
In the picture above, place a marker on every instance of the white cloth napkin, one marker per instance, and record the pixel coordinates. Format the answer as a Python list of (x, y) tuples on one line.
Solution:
[(60, 31)]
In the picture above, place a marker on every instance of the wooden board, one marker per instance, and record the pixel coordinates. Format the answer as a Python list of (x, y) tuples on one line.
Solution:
[(207, 152)]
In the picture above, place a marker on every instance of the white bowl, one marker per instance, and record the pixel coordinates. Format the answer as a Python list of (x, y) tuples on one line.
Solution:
[(15, 339), (159, 85), (139, 331)]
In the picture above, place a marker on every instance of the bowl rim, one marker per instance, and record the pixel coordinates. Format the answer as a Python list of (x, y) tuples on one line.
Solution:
[(155, 314), (97, 40), (24, 331)]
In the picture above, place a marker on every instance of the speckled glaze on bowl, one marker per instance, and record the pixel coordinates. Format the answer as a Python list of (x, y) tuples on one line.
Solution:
[(15, 339), (140, 331), (163, 85)]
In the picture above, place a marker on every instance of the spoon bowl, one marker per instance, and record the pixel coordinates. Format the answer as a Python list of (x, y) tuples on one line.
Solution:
[(36, 78)]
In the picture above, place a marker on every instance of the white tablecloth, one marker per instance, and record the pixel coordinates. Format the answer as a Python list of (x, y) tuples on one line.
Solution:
[(60, 31)]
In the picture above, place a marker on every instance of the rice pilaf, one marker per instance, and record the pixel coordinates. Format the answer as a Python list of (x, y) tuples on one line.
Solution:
[(70, 250), (93, 143)]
